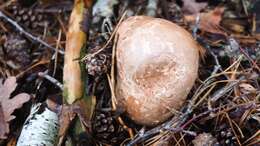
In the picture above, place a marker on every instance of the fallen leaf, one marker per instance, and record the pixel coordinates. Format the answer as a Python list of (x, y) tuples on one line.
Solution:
[(66, 116), (210, 21), (3, 125), (247, 88), (192, 7), (85, 109), (7, 105), (80, 108), (8, 87)]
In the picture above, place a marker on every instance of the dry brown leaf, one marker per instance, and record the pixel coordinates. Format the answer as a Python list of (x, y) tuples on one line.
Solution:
[(85, 109), (80, 108), (192, 7), (7, 105), (210, 21), (67, 115), (247, 88), (3, 125)]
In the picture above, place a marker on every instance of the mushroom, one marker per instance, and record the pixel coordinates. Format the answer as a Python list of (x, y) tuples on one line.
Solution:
[(157, 64)]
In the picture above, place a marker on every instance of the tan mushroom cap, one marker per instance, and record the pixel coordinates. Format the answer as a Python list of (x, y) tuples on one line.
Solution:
[(157, 64)]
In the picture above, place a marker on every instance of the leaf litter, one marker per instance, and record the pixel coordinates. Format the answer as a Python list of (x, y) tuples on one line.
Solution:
[(223, 76)]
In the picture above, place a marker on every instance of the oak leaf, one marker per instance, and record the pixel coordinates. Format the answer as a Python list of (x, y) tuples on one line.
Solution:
[(8, 105)]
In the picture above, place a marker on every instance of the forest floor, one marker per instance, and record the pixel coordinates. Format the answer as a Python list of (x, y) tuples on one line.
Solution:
[(223, 107)]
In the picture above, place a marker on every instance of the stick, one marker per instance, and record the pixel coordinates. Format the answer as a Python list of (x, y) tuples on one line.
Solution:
[(20, 29), (182, 123), (51, 79), (40, 128)]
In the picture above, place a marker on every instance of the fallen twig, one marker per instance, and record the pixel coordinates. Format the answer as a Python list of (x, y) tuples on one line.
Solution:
[(182, 123), (217, 67), (21, 30), (196, 27), (40, 128), (51, 79)]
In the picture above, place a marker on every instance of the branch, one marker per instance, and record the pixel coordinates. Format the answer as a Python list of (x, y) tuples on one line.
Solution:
[(20, 29)]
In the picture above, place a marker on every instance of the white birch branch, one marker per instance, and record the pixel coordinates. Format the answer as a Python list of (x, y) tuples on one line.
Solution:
[(40, 128)]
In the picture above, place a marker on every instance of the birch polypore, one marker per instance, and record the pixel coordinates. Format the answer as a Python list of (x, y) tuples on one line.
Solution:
[(157, 64)]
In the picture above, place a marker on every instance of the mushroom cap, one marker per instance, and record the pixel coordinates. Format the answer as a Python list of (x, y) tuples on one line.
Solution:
[(157, 64)]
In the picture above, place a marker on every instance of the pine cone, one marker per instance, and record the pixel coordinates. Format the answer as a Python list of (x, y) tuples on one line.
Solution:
[(99, 64), (104, 125), (205, 139), (107, 129), (28, 17), (225, 136), (172, 10), (16, 49)]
